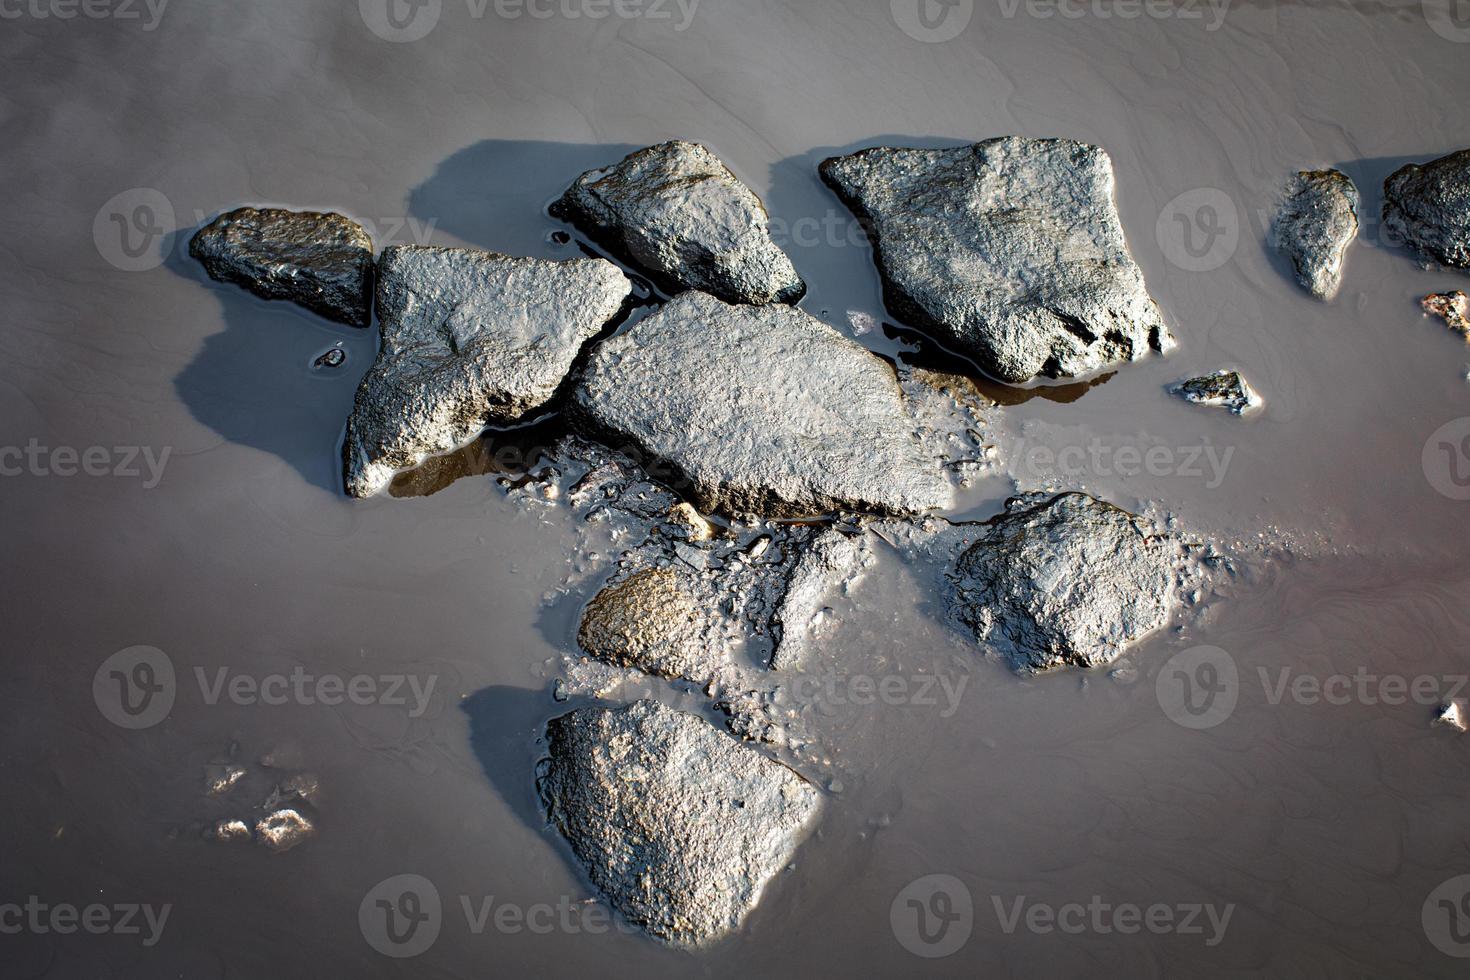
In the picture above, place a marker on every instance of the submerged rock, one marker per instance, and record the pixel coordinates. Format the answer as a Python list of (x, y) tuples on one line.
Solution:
[(470, 339), (1069, 582), (1427, 207), (1223, 389), (1453, 307), (1011, 250), (283, 830), (1316, 224), (679, 826), (228, 831), (322, 261), (758, 410), (676, 211), (831, 558)]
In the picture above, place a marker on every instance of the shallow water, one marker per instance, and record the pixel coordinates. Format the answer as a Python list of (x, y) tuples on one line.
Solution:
[(1325, 825)]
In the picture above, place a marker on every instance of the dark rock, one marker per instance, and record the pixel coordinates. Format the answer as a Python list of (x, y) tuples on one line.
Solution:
[(334, 358), (1223, 389), (323, 262), (1069, 582), (759, 410), (1427, 207), (1010, 250), (1316, 224), (677, 212), (679, 826), (470, 339)]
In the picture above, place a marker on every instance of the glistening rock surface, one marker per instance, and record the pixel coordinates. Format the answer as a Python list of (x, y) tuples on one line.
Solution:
[(1068, 582), (651, 621), (1010, 250), (759, 410), (470, 339), (1223, 389), (676, 211), (1427, 207), (1317, 222), (323, 262), (678, 825)]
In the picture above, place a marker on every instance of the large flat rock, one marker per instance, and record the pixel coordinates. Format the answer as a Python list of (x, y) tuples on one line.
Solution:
[(1316, 223), (1427, 207), (470, 339), (678, 213), (322, 261), (678, 825), (1071, 581), (758, 410), (1009, 250)]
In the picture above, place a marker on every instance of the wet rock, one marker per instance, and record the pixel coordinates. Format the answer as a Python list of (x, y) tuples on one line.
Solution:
[(680, 826), (303, 787), (758, 410), (1453, 307), (283, 830), (322, 261), (334, 358), (1427, 207), (1316, 224), (677, 212), (687, 521), (1451, 717), (228, 831), (220, 779), (1010, 250), (470, 339), (1069, 582), (833, 557), (1223, 389), (652, 622)]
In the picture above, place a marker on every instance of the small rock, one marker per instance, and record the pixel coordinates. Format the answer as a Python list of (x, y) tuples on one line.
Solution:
[(219, 780), (229, 830), (322, 261), (1453, 307), (676, 211), (1316, 224), (679, 826), (1450, 715), (283, 830), (1427, 207), (334, 358), (1223, 389), (651, 622), (303, 787), (759, 410), (470, 339), (1070, 582), (686, 520), (1011, 250)]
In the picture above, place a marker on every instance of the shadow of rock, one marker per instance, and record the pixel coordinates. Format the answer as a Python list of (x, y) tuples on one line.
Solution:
[(508, 736)]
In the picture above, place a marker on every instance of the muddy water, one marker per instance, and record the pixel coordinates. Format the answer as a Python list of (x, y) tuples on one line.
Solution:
[(1323, 827)]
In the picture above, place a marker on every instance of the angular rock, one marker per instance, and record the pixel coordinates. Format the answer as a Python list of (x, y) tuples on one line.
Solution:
[(1450, 716), (832, 558), (652, 622), (1427, 207), (1316, 224), (1453, 308), (1010, 250), (679, 826), (470, 339), (758, 410), (1069, 582), (321, 261), (1223, 389), (677, 212)]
